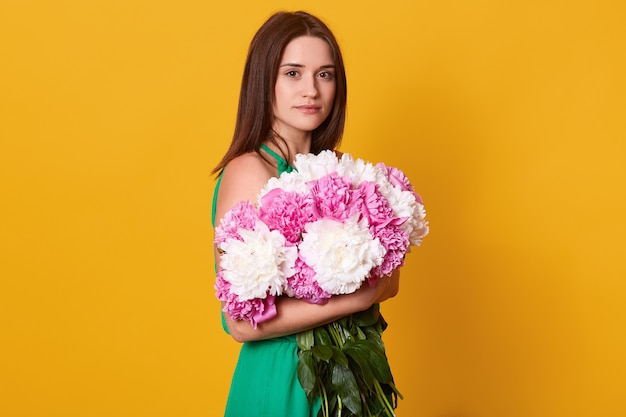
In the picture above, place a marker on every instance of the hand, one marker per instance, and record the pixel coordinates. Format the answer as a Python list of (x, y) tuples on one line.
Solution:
[(385, 288)]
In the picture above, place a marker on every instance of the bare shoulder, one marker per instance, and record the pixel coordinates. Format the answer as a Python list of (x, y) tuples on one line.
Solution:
[(242, 180)]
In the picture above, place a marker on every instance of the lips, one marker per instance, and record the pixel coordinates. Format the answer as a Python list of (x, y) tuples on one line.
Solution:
[(308, 109)]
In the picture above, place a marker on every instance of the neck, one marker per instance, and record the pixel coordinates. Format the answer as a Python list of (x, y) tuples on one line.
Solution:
[(291, 145)]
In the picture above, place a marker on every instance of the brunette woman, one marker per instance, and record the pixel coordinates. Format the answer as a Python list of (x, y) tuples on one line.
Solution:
[(293, 100)]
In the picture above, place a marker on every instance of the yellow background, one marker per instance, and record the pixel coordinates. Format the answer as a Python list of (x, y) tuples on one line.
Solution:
[(509, 118)]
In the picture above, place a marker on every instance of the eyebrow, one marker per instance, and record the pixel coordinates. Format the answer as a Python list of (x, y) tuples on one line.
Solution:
[(291, 64)]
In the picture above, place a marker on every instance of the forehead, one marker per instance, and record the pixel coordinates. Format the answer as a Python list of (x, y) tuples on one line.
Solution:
[(309, 49)]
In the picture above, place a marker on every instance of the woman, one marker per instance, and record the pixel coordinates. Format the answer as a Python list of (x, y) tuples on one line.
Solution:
[(293, 100)]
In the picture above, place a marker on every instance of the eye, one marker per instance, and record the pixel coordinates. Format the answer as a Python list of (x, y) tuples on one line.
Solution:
[(292, 73), (326, 74)]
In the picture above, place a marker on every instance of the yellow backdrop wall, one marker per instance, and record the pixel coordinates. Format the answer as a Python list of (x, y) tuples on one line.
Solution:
[(508, 117)]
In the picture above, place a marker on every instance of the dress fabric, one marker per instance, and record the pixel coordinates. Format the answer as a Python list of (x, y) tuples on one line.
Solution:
[(265, 381)]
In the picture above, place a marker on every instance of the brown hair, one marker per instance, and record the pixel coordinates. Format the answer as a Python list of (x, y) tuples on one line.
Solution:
[(255, 115)]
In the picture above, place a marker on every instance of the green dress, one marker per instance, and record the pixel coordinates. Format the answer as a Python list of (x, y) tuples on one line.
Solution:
[(265, 382)]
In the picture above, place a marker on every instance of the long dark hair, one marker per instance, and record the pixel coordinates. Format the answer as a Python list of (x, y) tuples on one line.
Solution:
[(255, 116)]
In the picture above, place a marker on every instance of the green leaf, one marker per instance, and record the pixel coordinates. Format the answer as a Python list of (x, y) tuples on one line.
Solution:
[(359, 334), (322, 338), (383, 323), (339, 356), (361, 357), (368, 317), (374, 336), (305, 340), (378, 361), (324, 353), (344, 384), (306, 372)]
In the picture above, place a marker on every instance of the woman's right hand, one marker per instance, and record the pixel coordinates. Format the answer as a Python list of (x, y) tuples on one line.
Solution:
[(385, 288)]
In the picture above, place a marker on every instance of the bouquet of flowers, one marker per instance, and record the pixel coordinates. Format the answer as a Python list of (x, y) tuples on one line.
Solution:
[(324, 229)]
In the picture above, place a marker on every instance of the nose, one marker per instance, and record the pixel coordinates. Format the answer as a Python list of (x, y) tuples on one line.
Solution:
[(309, 87)]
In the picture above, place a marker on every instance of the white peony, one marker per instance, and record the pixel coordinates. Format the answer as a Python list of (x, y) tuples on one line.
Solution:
[(359, 170), (313, 167), (416, 226), (341, 254), (259, 263), (288, 181), (405, 205)]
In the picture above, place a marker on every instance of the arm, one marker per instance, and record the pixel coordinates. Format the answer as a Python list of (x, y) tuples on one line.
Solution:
[(296, 315)]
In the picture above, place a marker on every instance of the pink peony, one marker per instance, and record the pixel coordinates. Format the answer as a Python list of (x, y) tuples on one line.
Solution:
[(288, 212), (396, 244), (242, 216), (336, 200), (397, 178), (304, 286), (255, 311), (386, 227), (375, 209)]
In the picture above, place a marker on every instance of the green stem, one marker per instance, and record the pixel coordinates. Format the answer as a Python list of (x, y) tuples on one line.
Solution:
[(332, 329), (325, 398), (365, 405), (340, 406), (381, 396)]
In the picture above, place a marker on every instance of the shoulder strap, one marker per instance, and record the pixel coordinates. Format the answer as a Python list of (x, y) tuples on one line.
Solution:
[(213, 206), (283, 166)]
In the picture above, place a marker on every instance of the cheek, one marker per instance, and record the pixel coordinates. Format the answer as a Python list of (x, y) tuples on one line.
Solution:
[(279, 94), (331, 93), (328, 89)]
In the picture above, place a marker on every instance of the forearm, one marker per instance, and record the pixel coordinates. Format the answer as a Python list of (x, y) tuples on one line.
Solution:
[(295, 315)]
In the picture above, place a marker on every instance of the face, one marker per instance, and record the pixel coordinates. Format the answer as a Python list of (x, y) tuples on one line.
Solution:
[(305, 88)]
